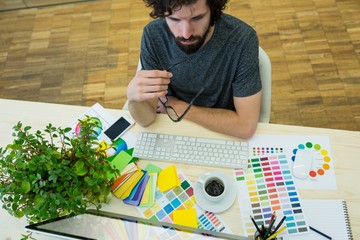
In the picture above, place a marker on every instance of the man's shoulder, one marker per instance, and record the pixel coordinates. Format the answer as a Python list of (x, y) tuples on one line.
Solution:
[(230, 22), (155, 25)]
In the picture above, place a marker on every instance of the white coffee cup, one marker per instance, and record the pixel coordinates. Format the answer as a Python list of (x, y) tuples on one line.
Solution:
[(213, 186)]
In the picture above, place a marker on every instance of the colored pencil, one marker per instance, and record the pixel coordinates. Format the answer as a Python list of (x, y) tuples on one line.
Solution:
[(276, 233), (269, 228), (279, 225), (272, 217), (257, 227), (321, 233)]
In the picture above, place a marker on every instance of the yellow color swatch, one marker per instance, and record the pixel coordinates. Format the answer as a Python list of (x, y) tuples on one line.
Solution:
[(186, 217), (125, 189), (168, 179)]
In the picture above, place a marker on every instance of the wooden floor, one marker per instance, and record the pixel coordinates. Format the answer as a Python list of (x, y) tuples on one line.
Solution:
[(87, 52)]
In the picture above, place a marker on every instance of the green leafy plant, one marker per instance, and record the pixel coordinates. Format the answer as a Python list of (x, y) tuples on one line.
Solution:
[(46, 175)]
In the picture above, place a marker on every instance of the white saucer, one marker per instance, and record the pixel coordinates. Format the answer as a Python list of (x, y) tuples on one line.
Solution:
[(220, 206)]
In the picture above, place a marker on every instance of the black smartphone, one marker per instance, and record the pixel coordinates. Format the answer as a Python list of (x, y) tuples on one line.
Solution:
[(119, 127)]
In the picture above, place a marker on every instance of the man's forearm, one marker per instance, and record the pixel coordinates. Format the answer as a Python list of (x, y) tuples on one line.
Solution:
[(142, 112), (223, 121)]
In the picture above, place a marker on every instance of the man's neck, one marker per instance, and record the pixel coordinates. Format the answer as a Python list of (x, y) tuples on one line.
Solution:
[(209, 35)]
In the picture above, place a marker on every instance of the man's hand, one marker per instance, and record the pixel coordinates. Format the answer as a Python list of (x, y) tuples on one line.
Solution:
[(178, 105), (148, 84)]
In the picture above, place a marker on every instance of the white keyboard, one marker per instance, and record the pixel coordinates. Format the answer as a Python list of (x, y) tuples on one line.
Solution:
[(192, 150)]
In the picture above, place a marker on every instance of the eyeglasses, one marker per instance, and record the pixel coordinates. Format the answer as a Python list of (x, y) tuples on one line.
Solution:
[(170, 111)]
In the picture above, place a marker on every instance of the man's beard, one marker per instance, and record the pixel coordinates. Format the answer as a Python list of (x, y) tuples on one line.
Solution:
[(191, 48)]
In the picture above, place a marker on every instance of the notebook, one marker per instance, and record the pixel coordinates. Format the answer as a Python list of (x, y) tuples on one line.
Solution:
[(328, 216)]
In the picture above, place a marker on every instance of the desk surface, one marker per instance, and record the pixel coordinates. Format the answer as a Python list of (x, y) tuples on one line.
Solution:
[(345, 148)]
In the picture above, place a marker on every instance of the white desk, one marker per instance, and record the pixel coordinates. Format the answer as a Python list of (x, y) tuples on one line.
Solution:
[(345, 148)]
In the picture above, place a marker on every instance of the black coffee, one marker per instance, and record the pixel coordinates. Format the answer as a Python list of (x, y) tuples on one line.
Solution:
[(214, 188)]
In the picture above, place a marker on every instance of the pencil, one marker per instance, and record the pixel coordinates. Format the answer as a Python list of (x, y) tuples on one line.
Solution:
[(276, 233), (272, 217), (257, 227), (321, 233), (269, 228), (279, 225)]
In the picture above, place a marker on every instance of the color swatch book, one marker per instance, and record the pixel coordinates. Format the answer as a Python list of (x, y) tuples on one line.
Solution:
[(330, 217), (268, 186), (181, 197), (313, 153)]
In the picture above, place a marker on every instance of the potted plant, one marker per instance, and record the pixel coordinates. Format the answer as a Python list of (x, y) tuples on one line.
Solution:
[(48, 174)]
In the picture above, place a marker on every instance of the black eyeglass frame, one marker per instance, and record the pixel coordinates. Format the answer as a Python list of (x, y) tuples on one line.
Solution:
[(179, 118)]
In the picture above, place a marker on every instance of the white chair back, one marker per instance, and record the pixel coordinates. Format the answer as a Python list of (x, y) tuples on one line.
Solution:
[(265, 76)]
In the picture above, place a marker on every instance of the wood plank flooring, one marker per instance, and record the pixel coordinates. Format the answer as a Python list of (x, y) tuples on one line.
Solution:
[(88, 52)]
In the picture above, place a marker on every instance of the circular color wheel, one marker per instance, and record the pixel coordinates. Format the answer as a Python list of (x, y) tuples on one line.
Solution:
[(321, 156), (97, 129)]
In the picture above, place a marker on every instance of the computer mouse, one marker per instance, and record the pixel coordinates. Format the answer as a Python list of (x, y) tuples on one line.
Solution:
[(302, 164)]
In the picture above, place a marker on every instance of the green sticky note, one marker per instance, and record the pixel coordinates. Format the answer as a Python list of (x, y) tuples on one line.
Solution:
[(111, 158), (152, 168), (130, 151), (121, 160)]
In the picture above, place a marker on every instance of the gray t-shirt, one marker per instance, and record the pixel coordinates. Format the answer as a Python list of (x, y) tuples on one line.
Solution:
[(227, 66)]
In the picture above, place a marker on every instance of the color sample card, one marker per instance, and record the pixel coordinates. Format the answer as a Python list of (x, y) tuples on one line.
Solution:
[(268, 186), (178, 198), (310, 160)]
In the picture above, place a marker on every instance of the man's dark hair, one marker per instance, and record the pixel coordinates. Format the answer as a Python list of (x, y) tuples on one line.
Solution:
[(163, 8)]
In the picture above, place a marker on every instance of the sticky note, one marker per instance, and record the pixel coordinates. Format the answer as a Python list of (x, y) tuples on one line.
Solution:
[(120, 161), (130, 152), (168, 179), (186, 217), (152, 168)]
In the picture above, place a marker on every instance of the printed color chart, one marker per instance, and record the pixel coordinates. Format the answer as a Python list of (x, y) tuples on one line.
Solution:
[(181, 197), (311, 152), (265, 187)]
